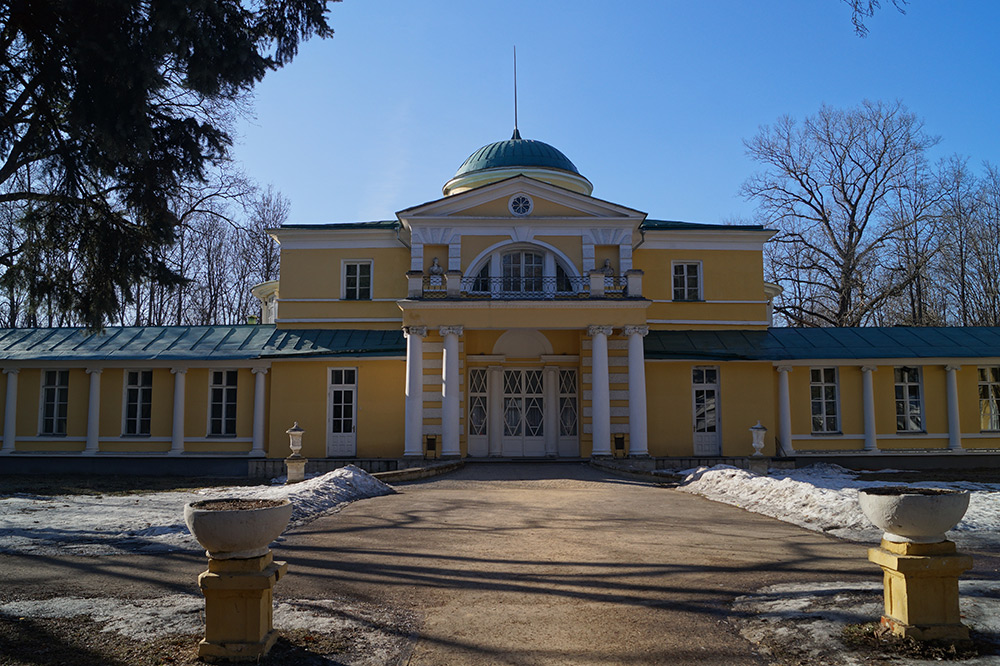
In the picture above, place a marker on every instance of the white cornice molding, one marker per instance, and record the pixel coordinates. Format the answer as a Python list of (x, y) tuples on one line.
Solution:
[(329, 237), (592, 304), (891, 362), (588, 206)]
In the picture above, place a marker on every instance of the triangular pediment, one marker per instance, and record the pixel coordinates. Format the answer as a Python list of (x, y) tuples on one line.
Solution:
[(490, 203)]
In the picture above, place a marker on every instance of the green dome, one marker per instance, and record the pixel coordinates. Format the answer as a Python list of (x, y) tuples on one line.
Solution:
[(504, 159), (517, 152)]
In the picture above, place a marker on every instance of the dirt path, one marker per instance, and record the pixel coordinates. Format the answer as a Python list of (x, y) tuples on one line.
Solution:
[(560, 564)]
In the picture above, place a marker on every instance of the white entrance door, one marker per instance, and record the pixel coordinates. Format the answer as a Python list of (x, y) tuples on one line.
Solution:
[(342, 412), (705, 399), (523, 413), (569, 438)]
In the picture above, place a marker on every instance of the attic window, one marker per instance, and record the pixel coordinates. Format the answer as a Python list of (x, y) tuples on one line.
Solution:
[(520, 205)]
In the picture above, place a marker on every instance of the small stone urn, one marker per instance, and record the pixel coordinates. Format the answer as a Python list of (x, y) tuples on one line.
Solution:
[(239, 583), (920, 566), (295, 464)]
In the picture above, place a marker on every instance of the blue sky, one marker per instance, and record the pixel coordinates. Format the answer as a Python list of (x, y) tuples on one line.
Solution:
[(650, 99)]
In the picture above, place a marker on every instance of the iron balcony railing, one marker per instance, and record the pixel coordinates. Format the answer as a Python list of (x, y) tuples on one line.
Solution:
[(524, 288)]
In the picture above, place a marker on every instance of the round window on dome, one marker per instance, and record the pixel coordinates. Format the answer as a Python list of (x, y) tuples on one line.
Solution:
[(520, 205)]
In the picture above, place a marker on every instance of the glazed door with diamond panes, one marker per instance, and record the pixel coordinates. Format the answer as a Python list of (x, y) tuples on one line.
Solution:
[(569, 434), (478, 420), (705, 399), (342, 412), (523, 414)]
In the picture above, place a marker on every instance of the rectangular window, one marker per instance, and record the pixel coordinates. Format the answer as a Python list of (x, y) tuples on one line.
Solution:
[(138, 402), (825, 399), (909, 404), (55, 402), (358, 281), (687, 281), (222, 406), (989, 398)]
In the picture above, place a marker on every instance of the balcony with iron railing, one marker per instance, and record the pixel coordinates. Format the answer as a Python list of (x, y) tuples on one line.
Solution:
[(452, 285)]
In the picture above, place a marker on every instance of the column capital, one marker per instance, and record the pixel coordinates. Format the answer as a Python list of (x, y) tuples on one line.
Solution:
[(415, 331), (451, 330), (596, 329), (11, 371), (636, 330), (178, 370), (94, 371), (951, 367), (259, 371), (783, 368), (869, 368)]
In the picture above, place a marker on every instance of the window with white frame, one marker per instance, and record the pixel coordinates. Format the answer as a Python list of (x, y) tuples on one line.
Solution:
[(357, 280), (222, 403), (55, 402), (138, 402), (533, 272), (909, 401), (825, 400), (567, 403), (687, 280), (989, 398)]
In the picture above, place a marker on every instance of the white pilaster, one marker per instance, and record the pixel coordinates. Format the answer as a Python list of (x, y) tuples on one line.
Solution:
[(259, 407), (413, 445), (600, 391), (954, 423), (177, 432), (868, 404), (550, 383), (638, 445), (494, 420), (784, 411), (450, 392), (10, 412), (94, 412)]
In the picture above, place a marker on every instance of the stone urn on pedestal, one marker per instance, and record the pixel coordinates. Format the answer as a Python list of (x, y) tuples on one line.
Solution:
[(920, 566), (239, 583)]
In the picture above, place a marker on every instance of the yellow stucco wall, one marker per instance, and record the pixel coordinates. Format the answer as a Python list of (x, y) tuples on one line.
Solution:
[(299, 393), (727, 274), (317, 273)]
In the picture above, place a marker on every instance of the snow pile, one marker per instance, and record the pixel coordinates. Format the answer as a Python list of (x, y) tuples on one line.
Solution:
[(824, 498), (107, 525)]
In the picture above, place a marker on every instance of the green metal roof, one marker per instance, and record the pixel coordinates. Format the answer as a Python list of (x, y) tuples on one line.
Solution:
[(176, 343), (666, 225), (517, 152), (345, 226), (780, 344)]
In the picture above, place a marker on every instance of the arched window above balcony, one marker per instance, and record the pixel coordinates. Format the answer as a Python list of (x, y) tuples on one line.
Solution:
[(523, 272)]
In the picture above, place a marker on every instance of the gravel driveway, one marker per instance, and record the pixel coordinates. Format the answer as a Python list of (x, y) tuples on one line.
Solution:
[(553, 563)]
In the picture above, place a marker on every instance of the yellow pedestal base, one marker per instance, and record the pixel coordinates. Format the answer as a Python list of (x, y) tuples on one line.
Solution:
[(238, 608), (921, 589)]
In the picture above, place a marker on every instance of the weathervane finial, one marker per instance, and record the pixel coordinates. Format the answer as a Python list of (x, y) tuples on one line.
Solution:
[(517, 134)]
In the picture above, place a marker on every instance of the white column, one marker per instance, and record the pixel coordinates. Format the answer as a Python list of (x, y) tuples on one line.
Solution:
[(868, 404), (10, 412), (550, 383), (494, 419), (450, 392), (94, 412), (954, 423), (784, 411), (259, 409), (600, 392), (638, 445), (414, 439), (177, 432)]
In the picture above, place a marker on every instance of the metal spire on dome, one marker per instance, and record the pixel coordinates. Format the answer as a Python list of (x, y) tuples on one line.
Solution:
[(517, 134)]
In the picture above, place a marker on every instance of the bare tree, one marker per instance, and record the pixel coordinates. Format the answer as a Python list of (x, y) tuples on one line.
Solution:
[(830, 184), (865, 9)]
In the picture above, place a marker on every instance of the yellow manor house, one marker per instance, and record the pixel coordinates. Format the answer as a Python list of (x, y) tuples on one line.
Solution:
[(516, 317)]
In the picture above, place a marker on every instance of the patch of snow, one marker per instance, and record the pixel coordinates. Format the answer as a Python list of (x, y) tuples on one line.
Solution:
[(154, 522), (804, 622), (824, 498)]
